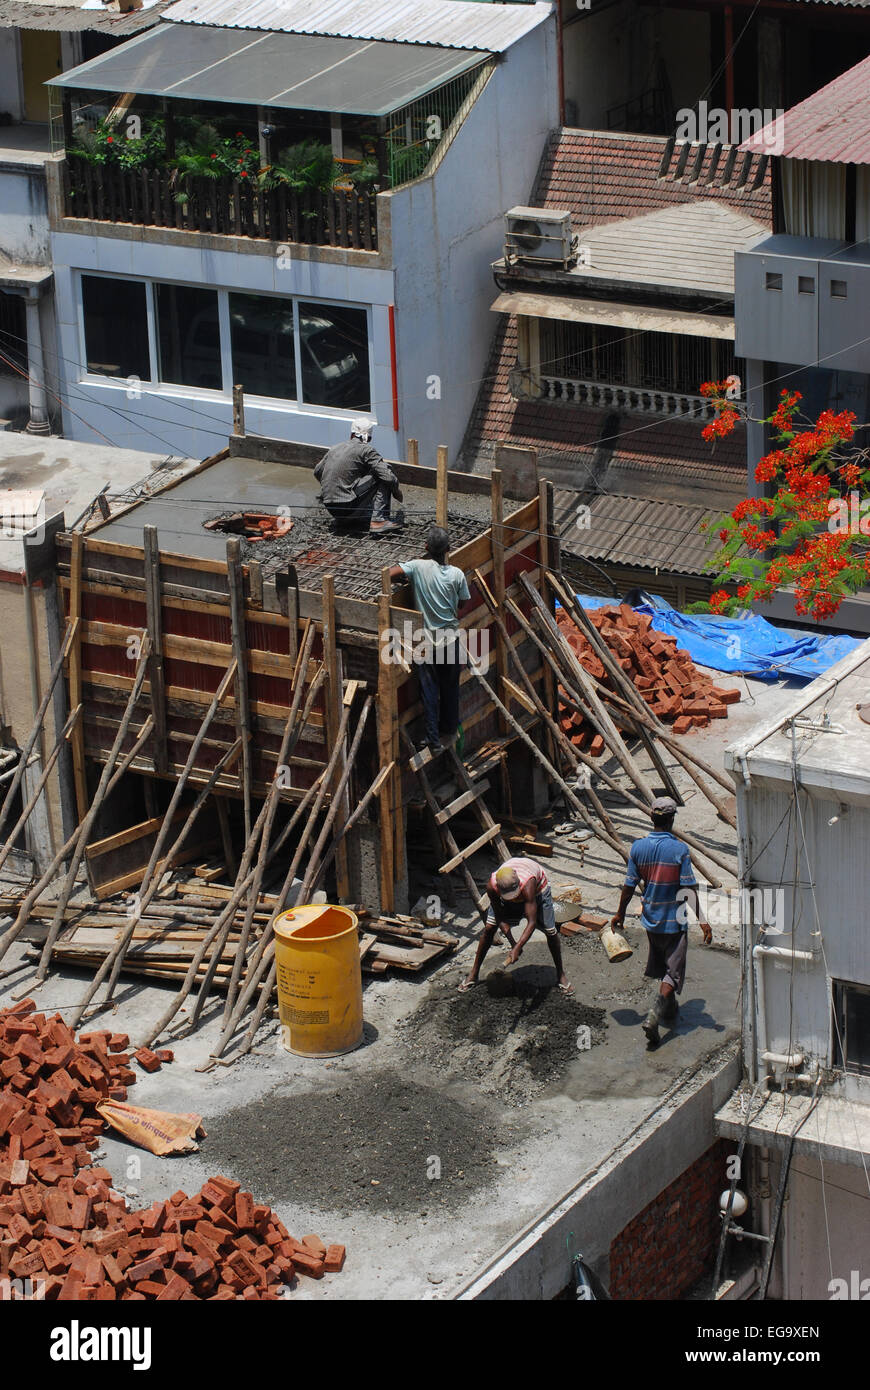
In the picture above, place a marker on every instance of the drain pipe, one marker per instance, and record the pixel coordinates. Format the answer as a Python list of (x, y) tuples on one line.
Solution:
[(788, 1060)]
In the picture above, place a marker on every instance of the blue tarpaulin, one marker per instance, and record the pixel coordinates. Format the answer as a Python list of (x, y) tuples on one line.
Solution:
[(747, 643)]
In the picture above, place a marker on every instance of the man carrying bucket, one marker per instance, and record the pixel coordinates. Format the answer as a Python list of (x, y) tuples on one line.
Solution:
[(519, 889), (662, 863)]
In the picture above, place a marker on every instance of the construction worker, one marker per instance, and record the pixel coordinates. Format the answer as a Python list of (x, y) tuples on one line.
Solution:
[(519, 889), (439, 588), (661, 861), (356, 484)]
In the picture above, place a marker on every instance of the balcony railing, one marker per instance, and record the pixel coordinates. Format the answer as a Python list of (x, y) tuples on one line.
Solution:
[(226, 207), (638, 400)]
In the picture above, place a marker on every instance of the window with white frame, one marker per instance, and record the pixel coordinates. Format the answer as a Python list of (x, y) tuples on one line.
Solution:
[(308, 351)]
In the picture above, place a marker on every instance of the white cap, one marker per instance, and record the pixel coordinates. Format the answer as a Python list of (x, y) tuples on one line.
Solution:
[(362, 429)]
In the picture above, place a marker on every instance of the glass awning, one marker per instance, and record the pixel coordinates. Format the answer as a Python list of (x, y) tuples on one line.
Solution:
[(297, 71)]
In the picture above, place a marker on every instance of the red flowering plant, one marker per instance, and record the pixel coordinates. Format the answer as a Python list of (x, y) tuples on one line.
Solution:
[(812, 534)]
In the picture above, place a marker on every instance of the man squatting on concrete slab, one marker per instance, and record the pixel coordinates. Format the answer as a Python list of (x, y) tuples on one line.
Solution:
[(519, 889), (661, 861), (356, 484), (439, 589)]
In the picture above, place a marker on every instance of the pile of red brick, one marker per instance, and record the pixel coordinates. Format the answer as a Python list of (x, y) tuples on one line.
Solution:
[(663, 674), (64, 1229)]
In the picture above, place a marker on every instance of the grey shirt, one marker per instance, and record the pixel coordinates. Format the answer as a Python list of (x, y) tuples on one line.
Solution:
[(348, 470)]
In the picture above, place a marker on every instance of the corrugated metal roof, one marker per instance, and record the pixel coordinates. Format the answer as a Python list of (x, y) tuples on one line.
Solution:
[(21, 14), (296, 72), (833, 124), (444, 23), (640, 531)]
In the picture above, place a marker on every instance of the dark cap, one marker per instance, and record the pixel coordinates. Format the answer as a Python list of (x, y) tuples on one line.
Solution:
[(663, 806)]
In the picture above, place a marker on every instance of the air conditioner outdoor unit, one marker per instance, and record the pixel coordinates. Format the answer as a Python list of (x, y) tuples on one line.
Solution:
[(538, 235)]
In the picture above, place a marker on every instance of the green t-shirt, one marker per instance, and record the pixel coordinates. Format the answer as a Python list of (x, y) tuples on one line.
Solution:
[(438, 592)]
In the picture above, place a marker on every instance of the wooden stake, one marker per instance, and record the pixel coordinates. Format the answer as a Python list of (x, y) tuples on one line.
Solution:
[(413, 452), (441, 483), (385, 755), (239, 411)]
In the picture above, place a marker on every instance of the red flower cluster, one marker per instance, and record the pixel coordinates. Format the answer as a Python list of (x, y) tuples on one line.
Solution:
[(781, 417), (722, 425), (718, 600)]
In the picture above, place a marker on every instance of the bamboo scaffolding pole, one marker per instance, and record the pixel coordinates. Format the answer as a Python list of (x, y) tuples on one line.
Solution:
[(37, 791), (39, 717), (576, 702), (647, 723), (114, 960), (313, 862), (548, 767), (235, 585), (356, 813), (226, 915), (150, 884), (606, 726), (26, 904), (271, 807), (264, 951), (557, 734), (266, 817), (82, 834)]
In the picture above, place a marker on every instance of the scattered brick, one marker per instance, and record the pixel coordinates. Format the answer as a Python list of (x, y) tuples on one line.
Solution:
[(62, 1223)]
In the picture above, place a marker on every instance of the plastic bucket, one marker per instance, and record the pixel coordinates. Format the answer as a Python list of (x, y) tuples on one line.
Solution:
[(319, 980)]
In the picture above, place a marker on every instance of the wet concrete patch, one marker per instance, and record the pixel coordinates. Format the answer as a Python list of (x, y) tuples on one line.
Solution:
[(381, 1142), (512, 1036)]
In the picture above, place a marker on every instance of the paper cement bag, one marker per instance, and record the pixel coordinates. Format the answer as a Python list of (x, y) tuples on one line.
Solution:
[(158, 1131)]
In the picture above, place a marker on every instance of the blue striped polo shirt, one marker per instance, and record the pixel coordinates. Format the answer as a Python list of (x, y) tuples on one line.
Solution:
[(661, 862)]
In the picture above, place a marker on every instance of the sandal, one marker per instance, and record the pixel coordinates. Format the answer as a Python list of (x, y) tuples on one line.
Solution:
[(467, 985), (567, 990)]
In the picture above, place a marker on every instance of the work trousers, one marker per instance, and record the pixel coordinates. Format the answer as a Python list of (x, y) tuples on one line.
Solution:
[(439, 691), (372, 504)]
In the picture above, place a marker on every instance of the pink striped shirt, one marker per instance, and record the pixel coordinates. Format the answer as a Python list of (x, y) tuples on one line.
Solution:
[(525, 869)]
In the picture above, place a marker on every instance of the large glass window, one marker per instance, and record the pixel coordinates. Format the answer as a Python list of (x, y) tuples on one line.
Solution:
[(334, 348), (263, 347), (116, 327), (189, 336)]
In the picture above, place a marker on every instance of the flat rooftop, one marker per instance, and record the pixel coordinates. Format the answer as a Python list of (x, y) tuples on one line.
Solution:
[(496, 1084)]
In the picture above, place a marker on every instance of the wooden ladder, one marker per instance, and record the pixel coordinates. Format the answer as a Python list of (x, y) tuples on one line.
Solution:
[(471, 796)]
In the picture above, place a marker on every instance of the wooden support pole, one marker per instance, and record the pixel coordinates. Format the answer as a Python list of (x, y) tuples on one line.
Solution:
[(413, 452), (223, 816), (239, 412), (385, 755), (154, 623), (334, 692), (39, 718), (244, 727), (606, 726), (53, 756), (86, 826), (496, 501), (441, 480), (390, 694), (539, 708), (80, 781)]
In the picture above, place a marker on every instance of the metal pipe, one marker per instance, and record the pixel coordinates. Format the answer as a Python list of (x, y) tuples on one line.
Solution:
[(784, 1059), (758, 954)]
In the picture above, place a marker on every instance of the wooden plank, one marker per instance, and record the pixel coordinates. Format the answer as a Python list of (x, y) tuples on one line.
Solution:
[(260, 662), (154, 623), (77, 739), (498, 585), (460, 802), (489, 834), (187, 695), (134, 552)]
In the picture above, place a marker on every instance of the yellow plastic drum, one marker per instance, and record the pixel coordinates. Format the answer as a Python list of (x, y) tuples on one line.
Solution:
[(319, 980)]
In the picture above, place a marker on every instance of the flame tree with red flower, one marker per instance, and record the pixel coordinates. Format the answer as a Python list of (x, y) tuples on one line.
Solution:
[(812, 533)]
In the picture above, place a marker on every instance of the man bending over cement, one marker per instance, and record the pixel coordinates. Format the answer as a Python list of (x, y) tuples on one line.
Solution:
[(519, 889)]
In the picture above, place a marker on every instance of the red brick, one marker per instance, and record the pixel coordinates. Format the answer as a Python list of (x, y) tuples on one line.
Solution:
[(334, 1259)]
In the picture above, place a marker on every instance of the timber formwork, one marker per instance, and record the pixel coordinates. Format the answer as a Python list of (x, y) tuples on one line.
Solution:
[(203, 611)]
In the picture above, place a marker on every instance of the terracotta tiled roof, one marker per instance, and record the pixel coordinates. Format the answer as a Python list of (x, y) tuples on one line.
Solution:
[(603, 175), (577, 443)]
